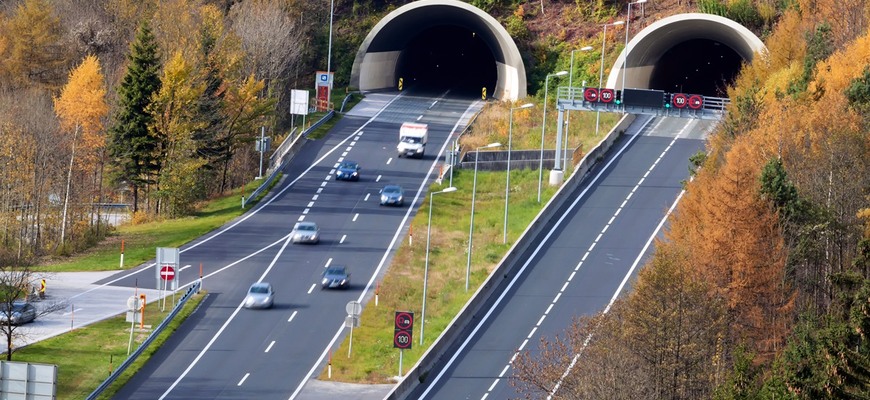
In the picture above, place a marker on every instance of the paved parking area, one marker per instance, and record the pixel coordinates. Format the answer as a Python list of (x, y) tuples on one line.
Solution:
[(78, 301)]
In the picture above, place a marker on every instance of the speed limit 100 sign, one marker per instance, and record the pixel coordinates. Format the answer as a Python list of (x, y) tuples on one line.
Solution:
[(404, 326)]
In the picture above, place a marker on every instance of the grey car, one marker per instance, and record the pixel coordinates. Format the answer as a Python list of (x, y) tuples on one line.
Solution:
[(335, 277), (392, 195), (260, 295), (305, 232), (19, 313)]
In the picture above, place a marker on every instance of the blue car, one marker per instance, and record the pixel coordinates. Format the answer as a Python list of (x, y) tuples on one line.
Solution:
[(347, 171)]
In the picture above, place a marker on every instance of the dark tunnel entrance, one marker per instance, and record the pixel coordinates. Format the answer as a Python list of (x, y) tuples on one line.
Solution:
[(697, 66), (448, 57)]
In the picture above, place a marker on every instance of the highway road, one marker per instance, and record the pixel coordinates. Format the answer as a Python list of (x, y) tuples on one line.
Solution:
[(224, 351), (580, 264)]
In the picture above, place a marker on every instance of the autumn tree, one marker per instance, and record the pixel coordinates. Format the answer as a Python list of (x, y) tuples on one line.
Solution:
[(173, 111), (81, 108), (273, 40), (733, 243), (32, 52), (134, 149), (243, 110)]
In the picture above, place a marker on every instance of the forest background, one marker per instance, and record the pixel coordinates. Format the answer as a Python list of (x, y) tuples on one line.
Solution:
[(759, 290)]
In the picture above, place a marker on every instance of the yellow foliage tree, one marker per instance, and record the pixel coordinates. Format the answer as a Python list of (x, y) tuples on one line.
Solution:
[(81, 106), (175, 122)]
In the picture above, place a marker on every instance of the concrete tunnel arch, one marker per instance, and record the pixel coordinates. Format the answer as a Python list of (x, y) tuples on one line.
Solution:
[(704, 46), (395, 43)]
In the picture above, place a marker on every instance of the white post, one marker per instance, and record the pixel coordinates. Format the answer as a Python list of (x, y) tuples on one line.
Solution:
[(262, 149), (350, 344)]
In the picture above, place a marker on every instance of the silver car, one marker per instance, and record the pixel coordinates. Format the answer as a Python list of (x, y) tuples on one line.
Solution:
[(260, 295), (392, 195), (305, 232), (19, 313)]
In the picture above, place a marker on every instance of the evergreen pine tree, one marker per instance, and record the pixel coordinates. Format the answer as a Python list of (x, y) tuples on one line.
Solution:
[(134, 150)]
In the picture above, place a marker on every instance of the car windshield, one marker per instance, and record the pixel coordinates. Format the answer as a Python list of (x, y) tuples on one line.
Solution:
[(306, 227), (15, 307), (392, 189), (259, 289), (347, 166), (411, 140), (335, 271)]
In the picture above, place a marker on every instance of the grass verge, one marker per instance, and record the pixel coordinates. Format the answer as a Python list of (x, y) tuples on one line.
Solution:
[(374, 360), (86, 356), (140, 240)]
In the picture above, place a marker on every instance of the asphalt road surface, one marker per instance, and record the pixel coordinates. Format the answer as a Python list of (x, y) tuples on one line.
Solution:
[(579, 266), (224, 351)]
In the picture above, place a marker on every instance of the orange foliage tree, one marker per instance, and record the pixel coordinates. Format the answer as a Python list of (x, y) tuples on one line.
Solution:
[(733, 243)]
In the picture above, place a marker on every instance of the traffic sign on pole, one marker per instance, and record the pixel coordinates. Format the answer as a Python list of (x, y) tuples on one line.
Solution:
[(590, 94), (404, 326), (606, 95), (167, 273), (679, 100)]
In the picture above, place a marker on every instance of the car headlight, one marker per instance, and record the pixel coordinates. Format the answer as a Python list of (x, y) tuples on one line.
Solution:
[(325, 281), (420, 150), (343, 281), (383, 198), (401, 198), (355, 173)]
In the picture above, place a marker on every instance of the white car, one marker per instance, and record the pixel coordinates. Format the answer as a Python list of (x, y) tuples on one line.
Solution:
[(305, 232), (260, 295)]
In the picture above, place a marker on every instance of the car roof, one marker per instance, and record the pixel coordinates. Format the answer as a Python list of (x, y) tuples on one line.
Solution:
[(348, 163), (261, 284), (300, 224), (336, 269)]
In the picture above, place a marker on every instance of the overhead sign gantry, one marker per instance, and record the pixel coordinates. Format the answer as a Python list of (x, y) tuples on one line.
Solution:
[(641, 101)]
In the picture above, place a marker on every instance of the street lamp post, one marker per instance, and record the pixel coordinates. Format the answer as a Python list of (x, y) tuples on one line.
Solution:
[(471, 226), (625, 52), (543, 125), (571, 84), (601, 73), (426, 269), (508, 179)]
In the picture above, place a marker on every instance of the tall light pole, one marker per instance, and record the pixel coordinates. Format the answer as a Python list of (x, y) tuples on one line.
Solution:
[(601, 73), (570, 85), (426, 270), (471, 226), (329, 50), (507, 184), (543, 126), (625, 51)]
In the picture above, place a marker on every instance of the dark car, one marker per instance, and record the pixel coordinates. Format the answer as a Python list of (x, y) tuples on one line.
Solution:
[(347, 171), (392, 195), (21, 312), (335, 277)]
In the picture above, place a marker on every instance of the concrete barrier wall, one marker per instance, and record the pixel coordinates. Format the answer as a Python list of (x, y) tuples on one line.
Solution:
[(498, 280)]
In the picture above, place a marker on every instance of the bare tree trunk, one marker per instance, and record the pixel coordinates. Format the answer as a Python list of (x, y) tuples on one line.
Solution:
[(68, 181)]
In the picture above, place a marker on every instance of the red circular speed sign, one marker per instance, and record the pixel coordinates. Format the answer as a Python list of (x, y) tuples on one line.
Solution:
[(590, 94), (696, 101), (404, 320), (167, 273), (402, 339), (606, 95), (679, 100)]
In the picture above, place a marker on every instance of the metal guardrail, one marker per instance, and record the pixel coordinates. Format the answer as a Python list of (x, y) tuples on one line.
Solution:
[(288, 154), (124, 365), (499, 278)]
